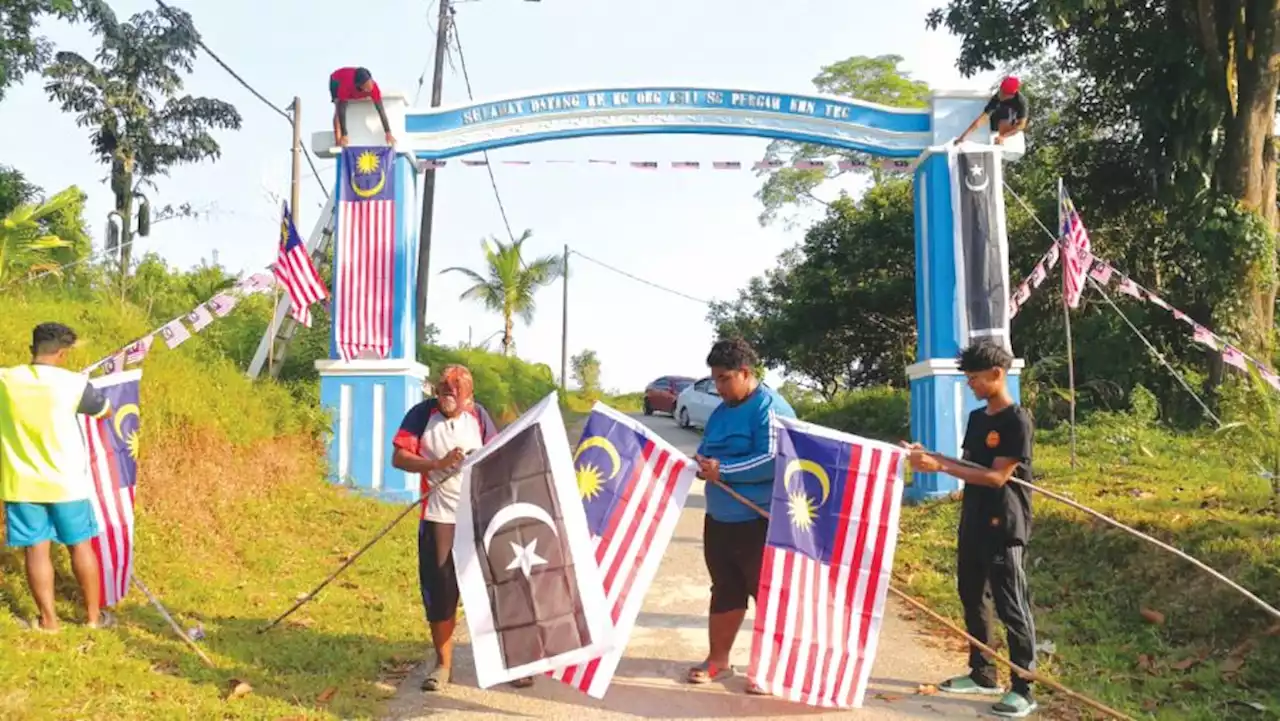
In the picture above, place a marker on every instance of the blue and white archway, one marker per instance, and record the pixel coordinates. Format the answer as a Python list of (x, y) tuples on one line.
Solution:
[(369, 397)]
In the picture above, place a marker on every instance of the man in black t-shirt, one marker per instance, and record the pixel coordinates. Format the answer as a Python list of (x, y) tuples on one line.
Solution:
[(995, 526), (1006, 111)]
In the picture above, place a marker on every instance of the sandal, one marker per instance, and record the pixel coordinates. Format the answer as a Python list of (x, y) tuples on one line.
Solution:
[(754, 689), (525, 682), (437, 679), (34, 625), (706, 672), (105, 620)]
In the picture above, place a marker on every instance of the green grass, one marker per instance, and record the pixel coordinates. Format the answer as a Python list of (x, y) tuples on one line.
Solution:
[(1091, 583)]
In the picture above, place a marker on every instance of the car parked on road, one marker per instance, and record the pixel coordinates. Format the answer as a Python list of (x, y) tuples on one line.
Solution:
[(695, 403), (660, 395)]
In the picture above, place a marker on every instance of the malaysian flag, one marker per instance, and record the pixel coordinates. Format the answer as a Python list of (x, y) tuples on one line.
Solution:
[(296, 272), (827, 561), (113, 444), (1077, 255), (633, 484), (365, 258)]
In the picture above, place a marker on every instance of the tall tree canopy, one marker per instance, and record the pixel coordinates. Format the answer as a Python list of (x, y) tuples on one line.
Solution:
[(129, 96), (1191, 84), (872, 79)]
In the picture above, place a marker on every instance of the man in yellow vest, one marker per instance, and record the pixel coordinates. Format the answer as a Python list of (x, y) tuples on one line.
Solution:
[(44, 469)]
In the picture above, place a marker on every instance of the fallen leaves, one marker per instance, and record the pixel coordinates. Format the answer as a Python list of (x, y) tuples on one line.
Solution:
[(326, 695), (926, 689), (888, 697), (1152, 616)]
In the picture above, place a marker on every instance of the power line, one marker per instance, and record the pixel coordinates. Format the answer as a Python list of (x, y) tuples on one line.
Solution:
[(462, 60), (288, 118), (638, 279)]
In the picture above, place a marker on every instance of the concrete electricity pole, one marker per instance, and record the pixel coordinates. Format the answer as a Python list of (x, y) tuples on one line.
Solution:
[(429, 181), (564, 325)]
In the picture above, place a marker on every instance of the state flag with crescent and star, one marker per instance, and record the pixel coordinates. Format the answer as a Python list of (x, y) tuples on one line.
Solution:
[(828, 556), (364, 270), (533, 596), (113, 443), (633, 486), (981, 245)]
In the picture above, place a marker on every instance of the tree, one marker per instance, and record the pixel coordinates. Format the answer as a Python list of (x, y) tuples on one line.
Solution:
[(586, 371), (833, 311), (509, 283), (129, 97), (1195, 88), (22, 50), (25, 244), (871, 79)]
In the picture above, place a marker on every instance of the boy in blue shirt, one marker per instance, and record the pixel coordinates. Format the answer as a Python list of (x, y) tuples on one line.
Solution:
[(738, 448)]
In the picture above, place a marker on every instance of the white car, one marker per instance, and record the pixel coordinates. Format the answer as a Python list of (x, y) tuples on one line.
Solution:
[(695, 403)]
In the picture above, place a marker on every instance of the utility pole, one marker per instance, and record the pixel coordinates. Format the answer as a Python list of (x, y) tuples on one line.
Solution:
[(295, 185), (429, 181), (564, 324)]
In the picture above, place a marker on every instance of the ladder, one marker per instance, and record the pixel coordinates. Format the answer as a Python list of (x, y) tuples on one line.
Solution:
[(275, 341)]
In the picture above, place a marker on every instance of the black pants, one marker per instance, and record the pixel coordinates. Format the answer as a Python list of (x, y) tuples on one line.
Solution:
[(1004, 569), (438, 581), (734, 553)]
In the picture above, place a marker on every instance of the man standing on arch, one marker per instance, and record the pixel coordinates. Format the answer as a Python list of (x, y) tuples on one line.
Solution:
[(347, 84), (1006, 110)]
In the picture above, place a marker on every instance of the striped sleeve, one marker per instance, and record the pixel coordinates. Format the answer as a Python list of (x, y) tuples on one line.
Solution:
[(409, 436), (757, 466)]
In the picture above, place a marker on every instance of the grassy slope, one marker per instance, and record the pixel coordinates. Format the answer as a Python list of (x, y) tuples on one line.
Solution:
[(1090, 583), (234, 522)]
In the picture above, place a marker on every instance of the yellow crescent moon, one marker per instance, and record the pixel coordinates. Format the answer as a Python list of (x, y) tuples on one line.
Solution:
[(382, 181), (603, 444), (801, 465), (125, 411)]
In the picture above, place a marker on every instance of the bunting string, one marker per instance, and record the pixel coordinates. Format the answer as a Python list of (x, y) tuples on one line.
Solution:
[(175, 332)]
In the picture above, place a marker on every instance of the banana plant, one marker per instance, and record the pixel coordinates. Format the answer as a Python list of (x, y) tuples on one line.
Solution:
[(24, 244)]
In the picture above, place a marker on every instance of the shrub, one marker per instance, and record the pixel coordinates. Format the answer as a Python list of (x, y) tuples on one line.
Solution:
[(878, 413), (504, 384)]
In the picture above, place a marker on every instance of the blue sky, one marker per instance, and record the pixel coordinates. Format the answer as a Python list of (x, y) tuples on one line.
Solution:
[(693, 230)]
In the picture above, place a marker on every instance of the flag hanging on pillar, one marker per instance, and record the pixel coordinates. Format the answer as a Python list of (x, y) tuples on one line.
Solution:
[(828, 555), (982, 246), (531, 591), (633, 486), (364, 270), (113, 444)]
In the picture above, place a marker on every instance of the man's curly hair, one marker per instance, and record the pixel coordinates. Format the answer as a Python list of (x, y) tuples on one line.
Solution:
[(983, 356), (732, 353)]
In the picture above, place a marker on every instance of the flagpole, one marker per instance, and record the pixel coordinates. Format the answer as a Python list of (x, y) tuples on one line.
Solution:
[(1066, 321), (172, 623)]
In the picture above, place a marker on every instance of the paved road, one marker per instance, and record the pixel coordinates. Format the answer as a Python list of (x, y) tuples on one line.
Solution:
[(670, 635)]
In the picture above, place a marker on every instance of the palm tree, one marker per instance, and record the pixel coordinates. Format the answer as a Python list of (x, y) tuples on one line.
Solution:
[(510, 285), (24, 241)]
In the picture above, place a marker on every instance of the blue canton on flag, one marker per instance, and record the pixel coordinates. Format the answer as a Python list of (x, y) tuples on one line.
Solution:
[(633, 485), (828, 555)]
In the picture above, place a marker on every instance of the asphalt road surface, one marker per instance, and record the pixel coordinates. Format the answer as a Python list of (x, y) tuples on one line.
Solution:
[(670, 635)]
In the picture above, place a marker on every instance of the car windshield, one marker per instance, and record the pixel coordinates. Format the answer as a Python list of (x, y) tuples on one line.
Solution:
[(680, 384)]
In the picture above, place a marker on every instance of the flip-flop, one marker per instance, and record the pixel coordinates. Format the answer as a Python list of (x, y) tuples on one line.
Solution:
[(34, 625), (525, 682), (105, 620), (706, 672), (437, 679), (754, 689)]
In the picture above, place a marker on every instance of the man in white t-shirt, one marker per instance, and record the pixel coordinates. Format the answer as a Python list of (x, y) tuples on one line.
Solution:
[(434, 437)]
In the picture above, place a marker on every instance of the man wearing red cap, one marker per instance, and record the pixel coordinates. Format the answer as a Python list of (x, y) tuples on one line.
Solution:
[(1006, 110)]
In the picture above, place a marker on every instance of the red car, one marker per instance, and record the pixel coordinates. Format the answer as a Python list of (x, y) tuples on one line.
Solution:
[(660, 395)]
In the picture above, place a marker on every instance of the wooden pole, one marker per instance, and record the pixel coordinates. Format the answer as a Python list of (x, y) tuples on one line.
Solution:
[(172, 623), (1066, 323), (1029, 675)]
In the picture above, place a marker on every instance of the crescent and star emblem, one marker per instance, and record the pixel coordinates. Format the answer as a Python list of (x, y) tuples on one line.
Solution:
[(976, 174), (131, 440), (799, 506), (590, 477), (524, 558), (367, 164)]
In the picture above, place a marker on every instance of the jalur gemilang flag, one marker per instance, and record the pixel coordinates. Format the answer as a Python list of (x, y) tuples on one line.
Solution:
[(531, 591), (363, 276), (633, 485), (828, 555), (113, 444)]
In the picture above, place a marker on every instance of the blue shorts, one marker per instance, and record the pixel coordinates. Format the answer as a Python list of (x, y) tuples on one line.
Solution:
[(69, 523)]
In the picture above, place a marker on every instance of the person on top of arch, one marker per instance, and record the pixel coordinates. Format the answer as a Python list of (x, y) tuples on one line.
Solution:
[(347, 84), (1006, 111)]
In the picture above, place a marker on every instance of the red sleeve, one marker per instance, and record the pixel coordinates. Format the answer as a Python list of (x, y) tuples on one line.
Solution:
[(376, 93), (409, 436)]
